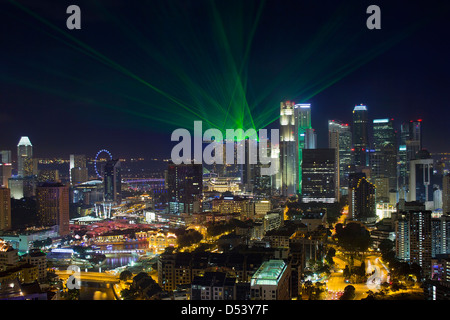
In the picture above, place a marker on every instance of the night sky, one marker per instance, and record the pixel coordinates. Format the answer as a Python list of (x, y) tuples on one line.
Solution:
[(137, 70)]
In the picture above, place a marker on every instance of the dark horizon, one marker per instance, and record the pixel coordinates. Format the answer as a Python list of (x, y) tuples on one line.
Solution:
[(103, 87)]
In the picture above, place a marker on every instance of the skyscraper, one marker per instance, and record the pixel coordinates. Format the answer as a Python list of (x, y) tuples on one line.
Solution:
[(185, 188), (5, 174), (446, 194), (360, 135), (52, 200), (5, 209), (414, 138), (77, 169), (421, 178), (414, 239), (361, 201), (288, 149), (113, 181), (5, 156), (340, 139), (384, 142), (296, 134), (24, 157), (319, 175)]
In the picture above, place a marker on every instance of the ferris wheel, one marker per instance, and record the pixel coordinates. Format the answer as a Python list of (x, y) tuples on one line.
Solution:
[(96, 159)]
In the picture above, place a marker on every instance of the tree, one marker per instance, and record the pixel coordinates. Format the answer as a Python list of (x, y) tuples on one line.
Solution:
[(329, 256), (349, 293), (126, 275)]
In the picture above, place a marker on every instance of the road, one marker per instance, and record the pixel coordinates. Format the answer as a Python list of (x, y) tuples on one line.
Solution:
[(336, 283), (94, 285)]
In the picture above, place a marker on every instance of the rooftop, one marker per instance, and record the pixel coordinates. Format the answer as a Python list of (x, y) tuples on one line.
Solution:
[(269, 273)]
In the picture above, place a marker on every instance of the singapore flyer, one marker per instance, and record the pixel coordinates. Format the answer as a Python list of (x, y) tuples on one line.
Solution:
[(96, 159)]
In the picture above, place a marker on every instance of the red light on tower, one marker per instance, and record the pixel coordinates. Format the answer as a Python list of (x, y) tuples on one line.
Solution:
[(420, 120)]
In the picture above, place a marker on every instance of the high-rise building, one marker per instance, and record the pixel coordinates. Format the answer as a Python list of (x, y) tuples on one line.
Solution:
[(385, 149), (5, 209), (5, 174), (5, 156), (440, 235), (360, 135), (340, 139), (421, 178), (185, 188), (446, 193), (77, 169), (361, 200), (296, 135), (24, 157), (288, 149), (319, 176), (113, 181), (52, 200), (414, 138)]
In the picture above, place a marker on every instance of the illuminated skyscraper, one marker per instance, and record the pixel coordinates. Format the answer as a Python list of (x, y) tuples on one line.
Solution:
[(360, 135), (362, 195), (77, 169), (185, 188), (288, 149), (414, 139), (24, 157), (340, 139), (52, 200), (113, 181), (296, 134), (414, 239), (319, 175), (384, 142), (421, 178)]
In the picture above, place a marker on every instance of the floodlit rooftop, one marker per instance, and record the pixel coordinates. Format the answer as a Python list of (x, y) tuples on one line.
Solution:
[(269, 273), (24, 141)]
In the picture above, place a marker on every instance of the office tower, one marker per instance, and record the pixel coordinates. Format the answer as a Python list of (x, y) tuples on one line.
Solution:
[(5, 156), (305, 138), (185, 188), (77, 169), (360, 135), (403, 163), (112, 180), (24, 157), (414, 139), (52, 201), (385, 151), (295, 135), (446, 193), (288, 149), (340, 139), (310, 138), (319, 176), (5, 174), (421, 177), (362, 195), (5, 209)]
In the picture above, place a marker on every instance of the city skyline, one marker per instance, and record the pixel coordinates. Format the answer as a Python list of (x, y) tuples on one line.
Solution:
[(79, 91)]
